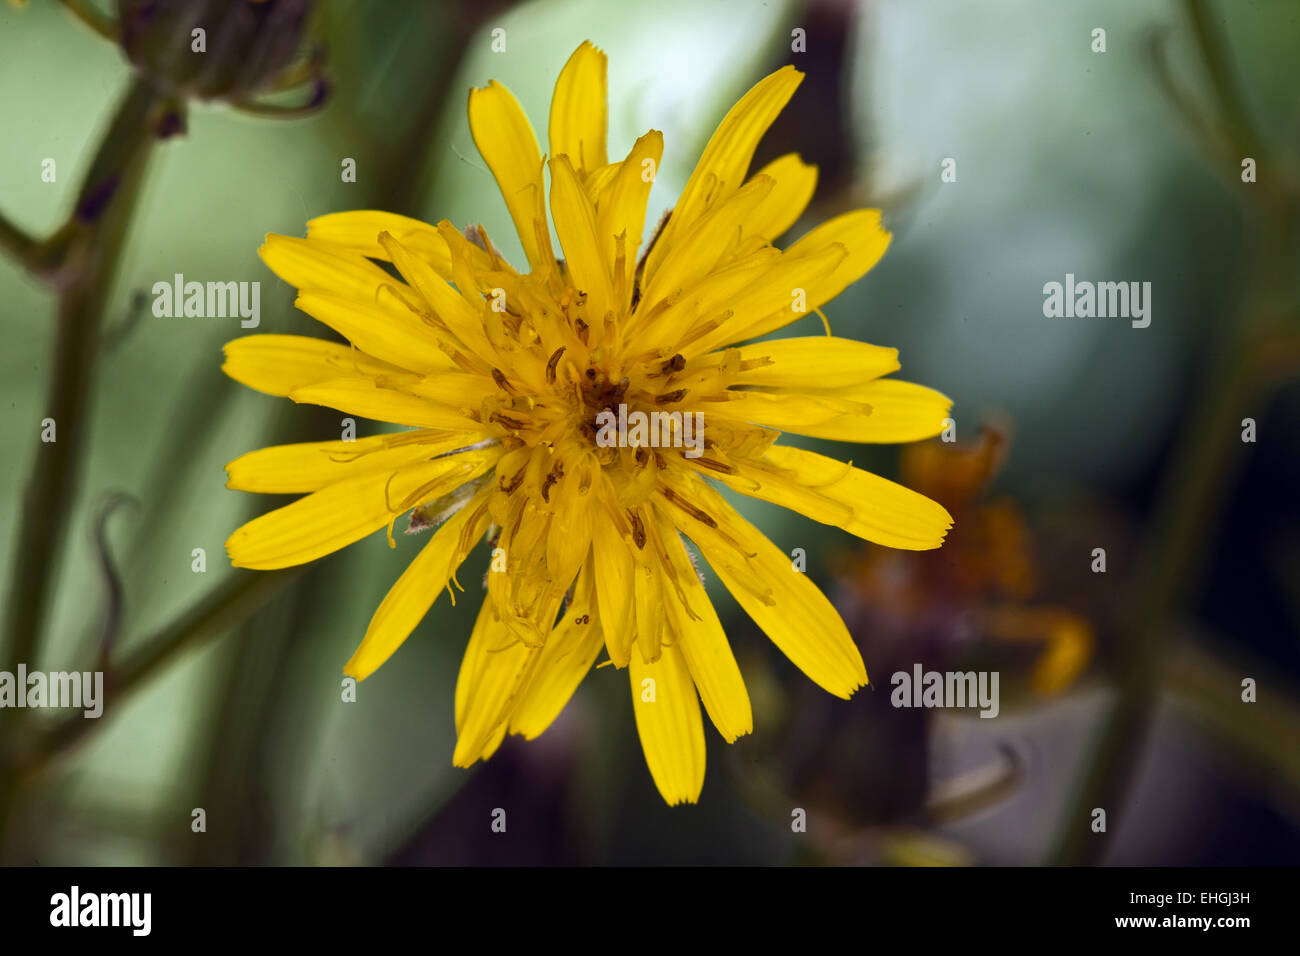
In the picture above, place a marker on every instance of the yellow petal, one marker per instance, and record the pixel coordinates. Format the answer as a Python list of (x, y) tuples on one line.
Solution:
[(568, 541), (725, 160), (575, 224), (506, 142), (669, 724), (781, 297), (313, 266), (861, 233), (356, 298), (648, 607), (796, 181), (494, 742), (900, 412), (309, 466), (277, 364), (704, 646), (832, 492), (579, 110), (614, 588), (359, 231), (751, 298), (622, 207), (457, 311), (394, 334), (815, 362), (361, 396), (334, 517), (783, 602), (854, 405), (564, 660), (459, 390), (597, 180), (697, 252), (803, 413), (494, 670), (411, 596)]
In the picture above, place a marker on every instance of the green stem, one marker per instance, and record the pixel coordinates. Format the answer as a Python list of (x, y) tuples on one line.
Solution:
[(92, 17), (224, 609), (216, 613), (1193, 489), (229, 605), (97, 232), (1214, 56), (15, 242), (1261, 734)]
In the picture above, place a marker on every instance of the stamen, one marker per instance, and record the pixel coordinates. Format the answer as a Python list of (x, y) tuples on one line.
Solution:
[(514, 483), (426, 491), (502, 419), (620, 267), (388, 498), (715, 465), (826, 323), (477, 446), (554, 361), (556, 473), (704, 328), (698, 514), (499, 377), (640, 266), (638, 529), (469, 532)]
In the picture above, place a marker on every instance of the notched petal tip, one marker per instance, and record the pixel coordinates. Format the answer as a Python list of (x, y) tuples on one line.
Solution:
[(232, 546), (270, 240), (350, 669), (464, 756), (488, 87)]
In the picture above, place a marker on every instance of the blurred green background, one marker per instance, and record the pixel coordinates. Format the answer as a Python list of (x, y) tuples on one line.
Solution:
[(1068, 161)]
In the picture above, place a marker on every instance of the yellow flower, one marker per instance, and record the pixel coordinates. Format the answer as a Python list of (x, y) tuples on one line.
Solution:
[(509, 381)]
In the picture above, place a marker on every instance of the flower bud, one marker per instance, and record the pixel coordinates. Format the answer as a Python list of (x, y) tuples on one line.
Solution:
[(213, 49)]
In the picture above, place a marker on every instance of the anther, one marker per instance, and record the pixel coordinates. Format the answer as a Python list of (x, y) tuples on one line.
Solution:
[(550, 366)]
